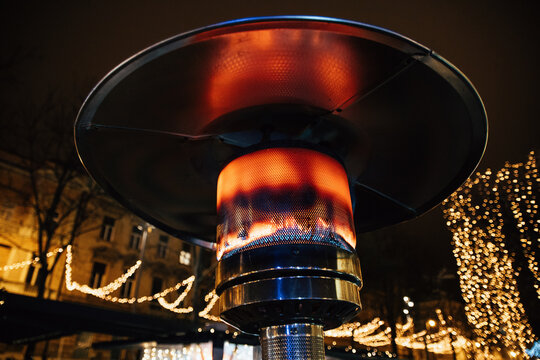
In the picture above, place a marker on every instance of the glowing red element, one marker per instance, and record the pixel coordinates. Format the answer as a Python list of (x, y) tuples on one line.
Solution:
[(296, 66), (283, 195)]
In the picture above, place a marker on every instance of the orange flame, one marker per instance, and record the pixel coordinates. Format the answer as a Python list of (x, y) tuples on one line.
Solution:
[(283, 192), (284, 167), (261, 230)]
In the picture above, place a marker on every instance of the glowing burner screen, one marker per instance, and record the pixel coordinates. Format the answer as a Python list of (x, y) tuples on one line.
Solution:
[(283, 196)]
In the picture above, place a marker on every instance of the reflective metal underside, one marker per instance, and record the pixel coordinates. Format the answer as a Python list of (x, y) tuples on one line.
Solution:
[(281, 284), (407, 125)]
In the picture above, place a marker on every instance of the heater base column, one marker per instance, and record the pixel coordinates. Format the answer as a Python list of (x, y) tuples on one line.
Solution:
[(292, 341)]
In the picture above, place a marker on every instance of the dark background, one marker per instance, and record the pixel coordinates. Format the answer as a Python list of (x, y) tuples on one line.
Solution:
[(65, 47)]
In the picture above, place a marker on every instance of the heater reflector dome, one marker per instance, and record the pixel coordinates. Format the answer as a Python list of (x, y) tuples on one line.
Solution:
[(158, 129)]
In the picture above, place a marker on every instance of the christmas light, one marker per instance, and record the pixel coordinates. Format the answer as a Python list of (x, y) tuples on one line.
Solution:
[(103, 292), (355, 329), (34, 261), (173, 306), (211, 298), (486, 266), (179, 352), (522, 194), (382, 338), (365, 335)]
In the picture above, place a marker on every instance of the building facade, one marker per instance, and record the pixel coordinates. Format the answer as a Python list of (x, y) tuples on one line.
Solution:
[(111, 242)]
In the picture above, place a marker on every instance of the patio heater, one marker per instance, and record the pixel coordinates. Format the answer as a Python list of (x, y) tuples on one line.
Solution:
[(286, 136)]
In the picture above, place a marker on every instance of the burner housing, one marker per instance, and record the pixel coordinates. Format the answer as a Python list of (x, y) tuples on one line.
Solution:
[(286, 248)]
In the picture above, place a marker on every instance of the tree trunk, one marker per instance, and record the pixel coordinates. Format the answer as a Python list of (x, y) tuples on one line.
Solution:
[(44, 353), (41, 280), (29, 351)]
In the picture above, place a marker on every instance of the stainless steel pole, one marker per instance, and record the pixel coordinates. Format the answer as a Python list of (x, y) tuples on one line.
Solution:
[(292, 341)]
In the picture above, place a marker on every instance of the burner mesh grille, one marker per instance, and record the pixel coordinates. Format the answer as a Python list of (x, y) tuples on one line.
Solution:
[(283, 196)]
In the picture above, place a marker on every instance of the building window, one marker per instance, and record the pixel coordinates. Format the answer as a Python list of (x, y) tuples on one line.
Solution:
[(98, 270), (157, 284), (106, 228), (5, 250), (185, 254), (136, 236), (162, 246), (125, 290)]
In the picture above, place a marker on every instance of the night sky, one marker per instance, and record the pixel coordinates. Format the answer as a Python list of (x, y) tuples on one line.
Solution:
[(67, 46)]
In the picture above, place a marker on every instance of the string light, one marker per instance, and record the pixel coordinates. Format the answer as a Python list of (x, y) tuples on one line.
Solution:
[(486, 266), (211, 298), (179, 352), (382, 338), (180, 310), (402, 329), (355, 329), (103, 292), (522, 196), (34, 261), (364, 335), (188, 283)]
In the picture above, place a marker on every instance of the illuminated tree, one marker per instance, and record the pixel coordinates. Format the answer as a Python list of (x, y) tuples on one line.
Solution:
[(495, 225)]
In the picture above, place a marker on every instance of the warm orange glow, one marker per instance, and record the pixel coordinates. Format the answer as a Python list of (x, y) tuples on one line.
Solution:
[(284, 167), (289, 195), (281, 66), (261, 230)]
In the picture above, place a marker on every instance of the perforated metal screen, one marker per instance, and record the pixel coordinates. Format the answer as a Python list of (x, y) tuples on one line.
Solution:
[(283, 196)]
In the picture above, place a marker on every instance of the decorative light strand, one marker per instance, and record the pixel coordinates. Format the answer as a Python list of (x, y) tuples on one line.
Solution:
[(188, 283), (380, 339), (355, 329), (362, 334), (103, 291), (34, 261), (402, 329), (437, 342), (523, 198), (194, 351), (486, 268), (211, 298), (187, 310)]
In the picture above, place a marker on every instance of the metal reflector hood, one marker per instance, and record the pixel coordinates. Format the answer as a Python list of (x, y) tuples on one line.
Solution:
[(407, 125)]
